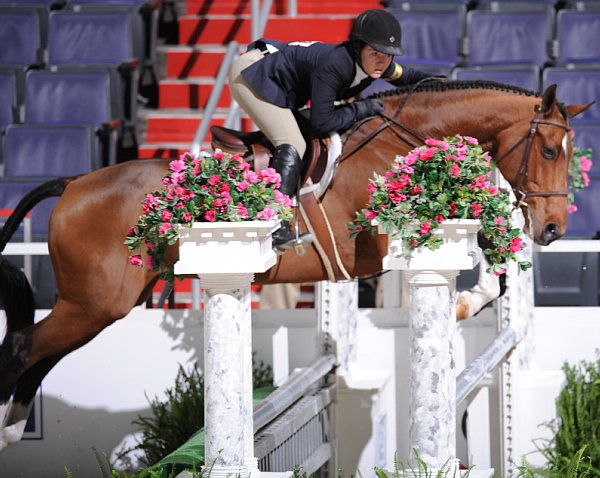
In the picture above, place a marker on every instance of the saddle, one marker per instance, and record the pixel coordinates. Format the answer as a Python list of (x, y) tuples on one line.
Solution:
[(318, 164)]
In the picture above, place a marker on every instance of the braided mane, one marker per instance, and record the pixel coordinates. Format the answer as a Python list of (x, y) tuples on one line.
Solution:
[(436, 86)]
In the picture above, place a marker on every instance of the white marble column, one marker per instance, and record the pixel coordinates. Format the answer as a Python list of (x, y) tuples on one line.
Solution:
[(227, 356), (432, 393)]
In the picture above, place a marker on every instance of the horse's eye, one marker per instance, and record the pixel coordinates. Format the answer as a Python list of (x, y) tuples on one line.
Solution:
[(549, 153)]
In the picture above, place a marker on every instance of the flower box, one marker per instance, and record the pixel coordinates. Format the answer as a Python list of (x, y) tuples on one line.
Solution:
[(459, 250), (226, 247)]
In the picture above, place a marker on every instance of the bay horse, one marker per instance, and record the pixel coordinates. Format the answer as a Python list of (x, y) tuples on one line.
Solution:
[(527, 134)]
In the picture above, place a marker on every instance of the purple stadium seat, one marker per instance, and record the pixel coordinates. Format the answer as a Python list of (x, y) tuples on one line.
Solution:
[(576, 85), (20, 37), (32, 151), (12, 191), (431, 36), (8, 98), (525, 76), (577, 37), (74, 98), (508, 37)]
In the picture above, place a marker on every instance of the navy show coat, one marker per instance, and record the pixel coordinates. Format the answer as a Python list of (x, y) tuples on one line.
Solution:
[(294, 73)]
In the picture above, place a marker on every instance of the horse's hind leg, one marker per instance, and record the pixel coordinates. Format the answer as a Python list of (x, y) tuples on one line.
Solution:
[(19, 408)]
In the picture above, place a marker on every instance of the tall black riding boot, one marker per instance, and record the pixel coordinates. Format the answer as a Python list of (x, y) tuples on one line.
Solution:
[(287, 163)]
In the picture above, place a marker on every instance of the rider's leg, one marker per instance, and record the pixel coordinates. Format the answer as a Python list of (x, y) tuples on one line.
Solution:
[(280, 127)]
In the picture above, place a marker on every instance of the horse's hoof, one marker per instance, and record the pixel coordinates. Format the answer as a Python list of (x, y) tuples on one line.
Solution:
[(462, 308)]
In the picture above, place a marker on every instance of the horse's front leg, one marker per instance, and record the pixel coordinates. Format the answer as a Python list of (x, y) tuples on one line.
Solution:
[(487, 289)]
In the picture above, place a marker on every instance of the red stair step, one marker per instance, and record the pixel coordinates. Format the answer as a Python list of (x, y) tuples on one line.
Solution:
[(222, 30), (192, 94), (239, 7), (180, 128), (185, 62)]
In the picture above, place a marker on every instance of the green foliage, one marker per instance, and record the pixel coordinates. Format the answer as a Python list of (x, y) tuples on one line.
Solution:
[(575, 447)]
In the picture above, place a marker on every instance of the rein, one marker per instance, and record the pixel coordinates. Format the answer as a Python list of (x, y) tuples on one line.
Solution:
[(520, 189)]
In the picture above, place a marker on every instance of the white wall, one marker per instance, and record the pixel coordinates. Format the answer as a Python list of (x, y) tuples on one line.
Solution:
[(91, 397)]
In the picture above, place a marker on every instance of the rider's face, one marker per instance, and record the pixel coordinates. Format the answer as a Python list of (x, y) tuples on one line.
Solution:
[(373, 62)]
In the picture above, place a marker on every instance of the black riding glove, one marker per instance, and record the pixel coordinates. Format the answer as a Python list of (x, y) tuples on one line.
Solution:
[(368, 107)]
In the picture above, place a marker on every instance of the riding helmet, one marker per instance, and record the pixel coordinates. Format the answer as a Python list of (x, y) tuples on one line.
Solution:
[(379, 29)]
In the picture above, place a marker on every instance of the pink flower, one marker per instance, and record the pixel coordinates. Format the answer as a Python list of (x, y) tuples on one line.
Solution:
[(370, 215), (150, 245), (269, 176), (166, 215), (455, 170), (131, 231), (214, 180), (164, 227), (282, 199), (210, 215), (516, 244), (493, 190), (585, 164), (187, 216), (242, 185), (439, 218), (177, 165), (250, 176), (501, 271), (499, 220), (477, 209), (427, 153), (150, 262), (416, 190), (266, 214), (135, 260), (586, 179), (218, 155), (241, 210), (425, 228)]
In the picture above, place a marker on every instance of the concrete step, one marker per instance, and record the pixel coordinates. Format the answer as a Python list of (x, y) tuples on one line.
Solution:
[(192, 93), (222, 29)]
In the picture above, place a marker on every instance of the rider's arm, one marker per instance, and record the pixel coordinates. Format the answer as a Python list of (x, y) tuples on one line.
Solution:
[(325, 116), (397, 75)]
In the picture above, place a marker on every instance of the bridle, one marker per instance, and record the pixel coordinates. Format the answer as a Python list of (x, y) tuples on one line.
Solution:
[(520, 189)]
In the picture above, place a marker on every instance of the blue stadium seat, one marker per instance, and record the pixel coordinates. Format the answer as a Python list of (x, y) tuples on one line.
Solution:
[(8, 99), (431, 35), (508, 37), (577, 85), (20, 36), (577, 37), (32, 151), (524, 76), (98, 40), (68, 98), (145, 17), (54, 4), (12, 191), (515, 5)]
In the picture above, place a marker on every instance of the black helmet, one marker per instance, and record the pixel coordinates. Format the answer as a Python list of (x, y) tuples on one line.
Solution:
[(379, 29)]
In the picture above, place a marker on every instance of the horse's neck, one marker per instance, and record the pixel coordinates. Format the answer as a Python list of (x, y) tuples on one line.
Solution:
[(482, 114)]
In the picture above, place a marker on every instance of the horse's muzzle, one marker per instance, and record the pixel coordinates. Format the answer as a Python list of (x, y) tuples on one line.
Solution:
[(551, 233)]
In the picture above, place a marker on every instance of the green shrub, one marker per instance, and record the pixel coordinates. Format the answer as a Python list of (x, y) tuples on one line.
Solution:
[(577, 426)]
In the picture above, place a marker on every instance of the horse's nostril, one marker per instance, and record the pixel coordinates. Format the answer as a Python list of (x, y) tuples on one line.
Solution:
[(552, 232)]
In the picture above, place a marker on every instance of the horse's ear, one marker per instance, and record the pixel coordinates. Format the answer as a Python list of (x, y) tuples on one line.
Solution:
[(548, 99), (574, 110)]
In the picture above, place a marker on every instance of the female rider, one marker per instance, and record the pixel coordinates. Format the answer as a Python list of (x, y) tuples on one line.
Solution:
[(273, 79)]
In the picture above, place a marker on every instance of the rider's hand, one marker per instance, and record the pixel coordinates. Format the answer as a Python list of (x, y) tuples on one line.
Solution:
[(368, 107)]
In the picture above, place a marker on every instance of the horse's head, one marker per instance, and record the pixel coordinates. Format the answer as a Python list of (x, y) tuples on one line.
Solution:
[(534, 156)]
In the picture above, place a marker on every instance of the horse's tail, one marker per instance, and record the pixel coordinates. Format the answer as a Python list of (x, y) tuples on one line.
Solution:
[(16, 295)]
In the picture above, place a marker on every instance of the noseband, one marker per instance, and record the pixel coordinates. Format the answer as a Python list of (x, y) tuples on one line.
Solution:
[(520, 188)]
